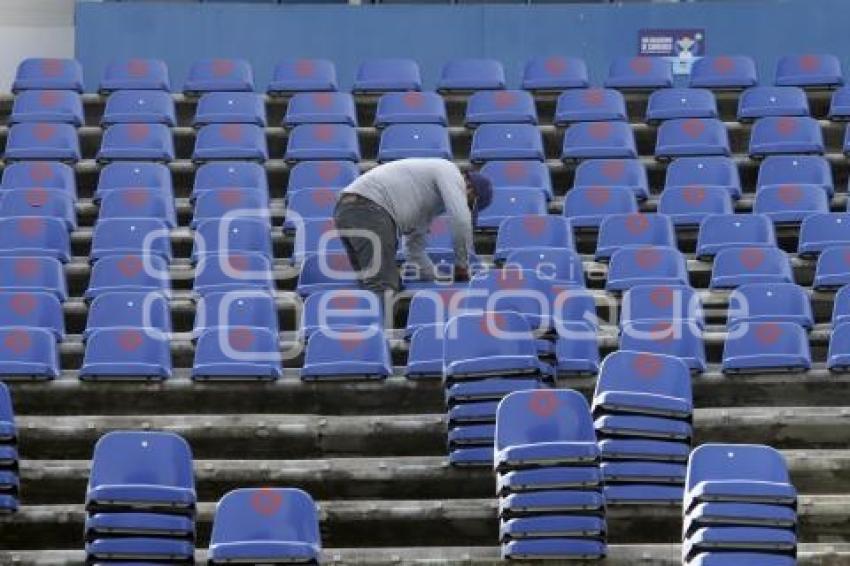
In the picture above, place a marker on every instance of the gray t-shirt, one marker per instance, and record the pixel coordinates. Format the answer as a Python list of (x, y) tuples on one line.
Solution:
[(414, 192)]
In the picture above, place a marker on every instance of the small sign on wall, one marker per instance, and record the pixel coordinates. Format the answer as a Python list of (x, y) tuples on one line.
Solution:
[(680, 46)]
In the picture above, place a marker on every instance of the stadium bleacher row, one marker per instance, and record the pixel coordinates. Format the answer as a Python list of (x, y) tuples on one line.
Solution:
[(641, 252)]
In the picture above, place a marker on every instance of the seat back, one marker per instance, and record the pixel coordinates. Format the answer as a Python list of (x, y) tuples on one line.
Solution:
[(589, 206), (656, 374), (316, 236), (40, 174), (590, 105), (320, 108), (677, 103), (555, 72), (519, 174), (735, 462), (307, 174), (230, 108), (679, 338), (558, 265), (411, 107), (239, 308), (309, 142), (129, 309), (485, 334), (691, 205), (60, 106), (303, 75), (210, 75), (32, 274), (613, 173), (599, 140), (385, 75), (704, 171), (661, 302), (232, 235), (319, 272), (37, 309), (720, 231), (471, 74), (135, 74), (809, 70), (231, 141), (632, 266), (639, 73), (506, 141), (533, 231), (777, 302), (635, 229), (354, 344), (691, 136), (340, 308), (761, 101), (795, 170), (129, 272), (135, 141), (400, 141), (542, 416), (50, 141), (228, 175), (122, 236), (750, 264), (132, 174), (235, 271), (35, 236), (724, 71), (774, 135), (41, 73), (819, 231), (500, 106)]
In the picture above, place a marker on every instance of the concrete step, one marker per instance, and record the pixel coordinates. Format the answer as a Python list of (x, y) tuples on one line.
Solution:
[(422, 523), (314, 436), (50, 482), (820, 554), (395, 396)]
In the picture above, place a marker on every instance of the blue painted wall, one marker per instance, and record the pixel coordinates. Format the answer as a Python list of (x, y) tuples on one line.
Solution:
[(180, 33)]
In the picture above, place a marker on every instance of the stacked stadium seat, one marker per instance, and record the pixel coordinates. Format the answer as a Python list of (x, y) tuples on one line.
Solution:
[(739, 507), (643, 418), (549, 483), (140, 499), (485, 355), (9, 482), (266, 525)]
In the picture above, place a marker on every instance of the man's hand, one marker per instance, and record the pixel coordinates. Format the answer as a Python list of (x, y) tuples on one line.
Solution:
[(461, 273)]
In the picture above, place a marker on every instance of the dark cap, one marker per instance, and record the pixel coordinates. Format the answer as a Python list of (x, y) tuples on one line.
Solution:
[(483, 189)]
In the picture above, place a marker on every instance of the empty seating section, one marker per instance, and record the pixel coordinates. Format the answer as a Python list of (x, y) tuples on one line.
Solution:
[(648, 232)]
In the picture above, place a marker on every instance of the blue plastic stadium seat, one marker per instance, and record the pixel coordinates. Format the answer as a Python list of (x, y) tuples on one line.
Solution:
[(841, 307), (561, 501), (8, 432), (132, 549), (769, 303), (40, 174), (309, 204), (572, 306), (425, 355), (838, 358), (429, 307), (790, 203), (737, 473), (722, 231), (410, 107), (740, 539), (35, 236), (532, 174), (35, 202), (554, 548), (558, 527), (560, 265), (347, 353), (303, 75), (506, 141), (33, 274), (641, 494), (231, 141), (29, 353), (508, 202), (232, 235), (237, 353), (387, 75), (646, 266), (123, 175), (267, 525), (760, 101), (215, 204), (470, 436), (129, 309), (756, 264), (149, 470), (589, 140), (243, 308), (37, 309), (215, 273), (323, 142), (833, 268), (551, 427), (400, 141), (629, 230), (309, 174), (532, 231), (576, 349), (127, 142), (339, 308), (706, 171), (839, 107), (135, 74), (821, 70), (126, 353), (820, 231), (245, 175), (785, 134), (512, 289), (139, 107), (230, 108), (490, 344), (315, 236), (42, 141), (589, 206), (663, 387), (679, 338), (492, 389), (573, 478), (555, 72), (660, 303), (48, 74), (122, 236), (724, 72), (639, 73), (138, 203), (590, 105), (777, 170), (677, 103), (750, 558), (753, 347), (740, 514), (691, 136), (500, 107), (471, 74), (320, 108), (217, 75), (322, 273), (690, 205), (104, 525), (57, 106), (613, 173), (643, 427)]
